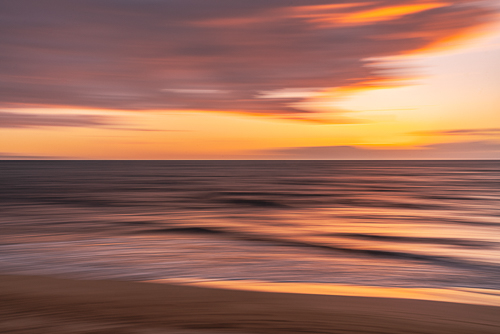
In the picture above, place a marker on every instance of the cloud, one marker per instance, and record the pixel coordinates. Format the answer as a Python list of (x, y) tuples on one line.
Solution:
[(24, 120), (493, 132), (215, 55), (15, 156), (457, 150), (31, 120), (468, 146)]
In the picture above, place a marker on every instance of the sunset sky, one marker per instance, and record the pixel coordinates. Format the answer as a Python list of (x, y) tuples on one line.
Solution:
[(240, 79)]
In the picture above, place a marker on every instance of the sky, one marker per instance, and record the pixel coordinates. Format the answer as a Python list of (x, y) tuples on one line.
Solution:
[(239, 79)]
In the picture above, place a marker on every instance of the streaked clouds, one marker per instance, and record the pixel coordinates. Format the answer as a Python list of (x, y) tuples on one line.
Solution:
[(494, 132), (456, 150), (272, 57), (31, 120), (14, 156), (43, 119)]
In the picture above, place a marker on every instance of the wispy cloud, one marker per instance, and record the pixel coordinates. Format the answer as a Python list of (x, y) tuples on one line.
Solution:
[(32, 120), (15, 156), (26, 120), (494, 132), (467, 146), (256, 57), (456, 150)]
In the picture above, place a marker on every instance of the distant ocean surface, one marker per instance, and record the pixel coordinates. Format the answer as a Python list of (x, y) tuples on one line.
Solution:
[(425, 224)]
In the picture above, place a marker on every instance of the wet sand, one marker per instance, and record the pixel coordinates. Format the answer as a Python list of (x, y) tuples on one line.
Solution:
[(30, 304)]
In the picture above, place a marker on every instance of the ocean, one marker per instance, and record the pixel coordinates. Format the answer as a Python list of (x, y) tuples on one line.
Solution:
[(409, 224)]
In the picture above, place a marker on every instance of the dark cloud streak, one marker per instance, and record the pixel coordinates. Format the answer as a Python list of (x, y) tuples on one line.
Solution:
[(23, 120), (31, 120), (494, 132), (455, 150), (14, 156)]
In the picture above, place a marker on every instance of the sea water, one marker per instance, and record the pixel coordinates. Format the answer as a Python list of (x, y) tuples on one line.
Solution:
[(399, 224)]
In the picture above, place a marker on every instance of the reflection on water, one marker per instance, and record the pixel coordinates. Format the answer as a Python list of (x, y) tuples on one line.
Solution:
[(456, 295), (421, 224)]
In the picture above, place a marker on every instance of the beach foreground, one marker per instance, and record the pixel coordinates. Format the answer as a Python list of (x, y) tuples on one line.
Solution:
[(32, 304)]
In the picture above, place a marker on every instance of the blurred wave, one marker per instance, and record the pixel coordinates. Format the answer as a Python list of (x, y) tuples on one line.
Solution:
[(387, 223)]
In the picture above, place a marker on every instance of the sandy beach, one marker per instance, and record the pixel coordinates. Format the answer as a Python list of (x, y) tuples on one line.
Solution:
[(31, 304)]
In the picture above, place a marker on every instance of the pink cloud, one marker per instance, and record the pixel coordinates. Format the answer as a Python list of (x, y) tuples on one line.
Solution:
[(215, 55)]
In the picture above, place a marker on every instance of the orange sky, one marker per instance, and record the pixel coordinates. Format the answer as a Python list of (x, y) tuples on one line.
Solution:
[(323, 80)]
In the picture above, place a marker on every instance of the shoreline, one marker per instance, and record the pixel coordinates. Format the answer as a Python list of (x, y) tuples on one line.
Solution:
[(460, 295), (39, 304)]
